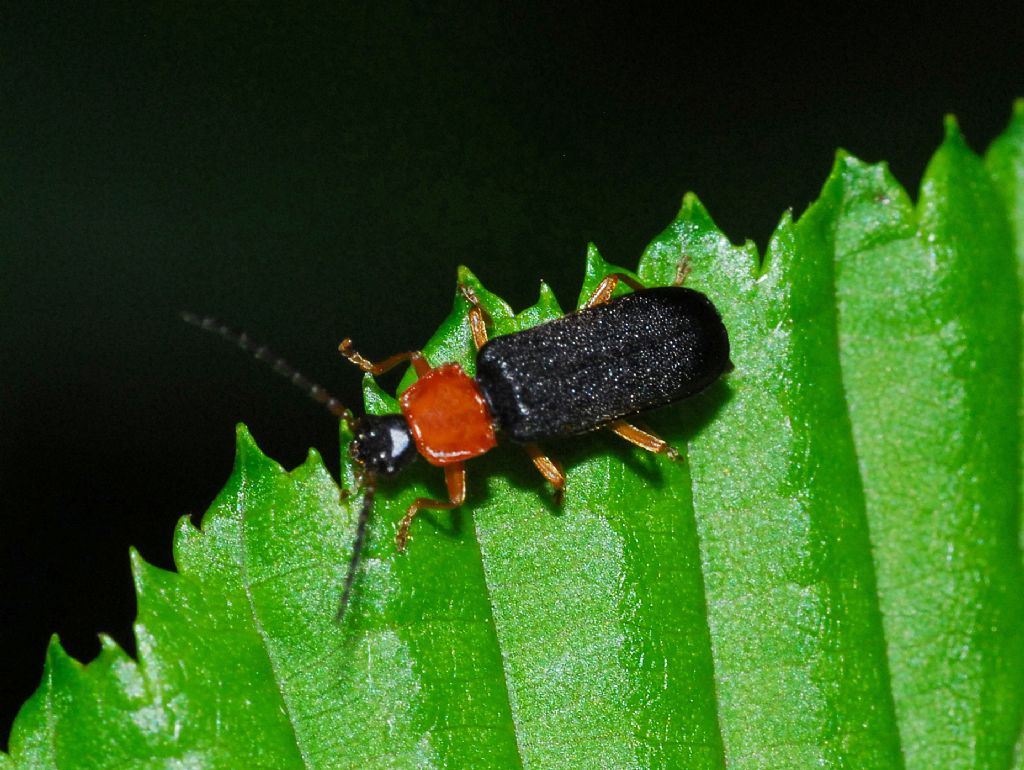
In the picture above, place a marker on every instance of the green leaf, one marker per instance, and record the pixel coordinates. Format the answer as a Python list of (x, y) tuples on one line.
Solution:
[(1005, 162), (933, 385), (832, 579), (796, 634)]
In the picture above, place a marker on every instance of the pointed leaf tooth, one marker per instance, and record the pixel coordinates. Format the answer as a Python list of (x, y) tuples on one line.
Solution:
[(546, 308), (376, 400)]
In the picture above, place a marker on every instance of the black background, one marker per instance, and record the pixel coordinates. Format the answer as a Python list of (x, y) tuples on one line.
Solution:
[(310, 174)]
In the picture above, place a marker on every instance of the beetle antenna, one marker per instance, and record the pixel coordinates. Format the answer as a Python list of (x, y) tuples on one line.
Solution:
[(357, 549), (262, 353)]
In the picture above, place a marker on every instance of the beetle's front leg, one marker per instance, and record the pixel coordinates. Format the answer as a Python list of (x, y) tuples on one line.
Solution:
[(455, 477), (415, 357)]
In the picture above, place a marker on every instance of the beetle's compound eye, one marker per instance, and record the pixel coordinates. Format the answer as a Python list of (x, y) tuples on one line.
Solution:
[(383, 445)]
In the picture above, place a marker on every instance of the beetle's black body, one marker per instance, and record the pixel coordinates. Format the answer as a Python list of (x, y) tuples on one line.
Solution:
[(582, 371)]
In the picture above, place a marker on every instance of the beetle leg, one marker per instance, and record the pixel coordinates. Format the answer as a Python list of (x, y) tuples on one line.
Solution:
[(604, 290), (455, 477), (644, 439), (419, 362), (682, 270), (549, 469), (477, 316)]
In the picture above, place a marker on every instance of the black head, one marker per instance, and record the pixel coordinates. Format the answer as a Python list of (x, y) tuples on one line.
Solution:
[(383, 445)]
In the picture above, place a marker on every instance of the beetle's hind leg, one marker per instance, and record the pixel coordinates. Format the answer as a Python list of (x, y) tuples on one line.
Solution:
[(455, 477), (478, 318), (644, 439), (549, 468)]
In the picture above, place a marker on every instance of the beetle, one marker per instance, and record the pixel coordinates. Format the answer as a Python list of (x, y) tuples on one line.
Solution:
[(587, 370)]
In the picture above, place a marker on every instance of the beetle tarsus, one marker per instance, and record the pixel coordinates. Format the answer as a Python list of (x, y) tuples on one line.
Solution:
[(673, 454), (682, 270), (402, 536)]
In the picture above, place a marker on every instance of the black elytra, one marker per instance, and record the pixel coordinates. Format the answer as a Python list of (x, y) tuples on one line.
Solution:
[(577, 373)]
